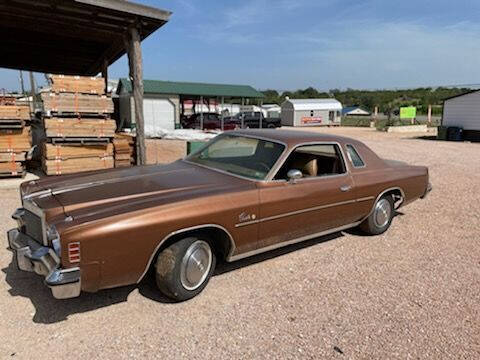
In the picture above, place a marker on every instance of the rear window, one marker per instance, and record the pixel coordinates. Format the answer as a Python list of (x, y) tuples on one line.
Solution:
[(354, 157)]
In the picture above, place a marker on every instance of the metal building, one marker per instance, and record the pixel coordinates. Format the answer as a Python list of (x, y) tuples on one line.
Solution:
[(311, 112), (165, 101), (463, 111)]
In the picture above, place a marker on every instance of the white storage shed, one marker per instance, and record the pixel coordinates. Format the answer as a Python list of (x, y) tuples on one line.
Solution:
[(463, 111), (311, 112)]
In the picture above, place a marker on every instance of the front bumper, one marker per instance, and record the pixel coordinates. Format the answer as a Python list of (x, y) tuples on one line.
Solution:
[(33, 257), (427, 191)]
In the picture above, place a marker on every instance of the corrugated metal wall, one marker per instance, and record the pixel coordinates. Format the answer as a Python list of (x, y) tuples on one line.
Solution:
[(463, 111)]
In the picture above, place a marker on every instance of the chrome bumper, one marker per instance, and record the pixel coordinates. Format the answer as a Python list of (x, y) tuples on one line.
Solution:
[(31, 256), (427, 191)]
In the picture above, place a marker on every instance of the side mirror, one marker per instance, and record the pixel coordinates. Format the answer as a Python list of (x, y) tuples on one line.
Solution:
[(294, 174)]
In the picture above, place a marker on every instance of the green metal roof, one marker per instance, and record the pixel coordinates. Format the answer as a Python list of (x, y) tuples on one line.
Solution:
[(193, 89)]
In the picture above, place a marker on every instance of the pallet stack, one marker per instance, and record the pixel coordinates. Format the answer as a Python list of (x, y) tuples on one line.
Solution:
[(124, 147), (77, 125), (15, 138)]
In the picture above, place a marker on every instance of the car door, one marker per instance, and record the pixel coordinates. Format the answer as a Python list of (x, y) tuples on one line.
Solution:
[(303, 208)]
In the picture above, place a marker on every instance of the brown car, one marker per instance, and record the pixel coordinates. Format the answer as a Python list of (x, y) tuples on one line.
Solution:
[(244, 193)]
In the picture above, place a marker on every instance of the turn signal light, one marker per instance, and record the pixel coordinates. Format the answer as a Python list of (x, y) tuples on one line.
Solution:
[(74, 252)]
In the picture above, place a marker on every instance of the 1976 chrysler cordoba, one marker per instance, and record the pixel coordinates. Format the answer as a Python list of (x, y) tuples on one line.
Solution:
[(243, 193)]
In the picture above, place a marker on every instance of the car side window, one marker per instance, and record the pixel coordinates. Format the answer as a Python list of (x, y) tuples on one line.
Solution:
[(354, 157), (314, 161)]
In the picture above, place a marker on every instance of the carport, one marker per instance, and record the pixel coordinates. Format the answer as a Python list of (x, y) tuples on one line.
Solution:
[(79, 37)]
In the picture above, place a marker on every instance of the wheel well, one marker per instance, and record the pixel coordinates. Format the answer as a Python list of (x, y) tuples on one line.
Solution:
[(220, 240), (397, 195)]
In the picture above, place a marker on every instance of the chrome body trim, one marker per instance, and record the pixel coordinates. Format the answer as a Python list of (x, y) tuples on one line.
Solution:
[(303, 211), (350, 158), (366, 198), (290, 242), (296, 212), (284, 158), (383, 193), (180, 231)]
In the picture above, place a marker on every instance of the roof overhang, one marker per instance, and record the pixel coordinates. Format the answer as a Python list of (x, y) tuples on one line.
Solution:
[(72, 37)]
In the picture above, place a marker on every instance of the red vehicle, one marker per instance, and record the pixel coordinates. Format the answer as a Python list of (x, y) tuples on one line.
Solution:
[(211, 121)]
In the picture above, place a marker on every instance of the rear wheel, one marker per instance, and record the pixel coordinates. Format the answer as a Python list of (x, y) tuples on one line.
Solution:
[(184, 268), (381, 217)]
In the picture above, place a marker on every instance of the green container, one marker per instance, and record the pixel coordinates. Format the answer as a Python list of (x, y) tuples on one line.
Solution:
[(193, 146), (442, 133)]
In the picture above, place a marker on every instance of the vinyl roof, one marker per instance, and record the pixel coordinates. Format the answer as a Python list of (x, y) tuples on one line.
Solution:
[(193, 89), (315, 104), (72, 37)]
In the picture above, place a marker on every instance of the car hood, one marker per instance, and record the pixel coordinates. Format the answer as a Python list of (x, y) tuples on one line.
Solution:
[(133, 188)]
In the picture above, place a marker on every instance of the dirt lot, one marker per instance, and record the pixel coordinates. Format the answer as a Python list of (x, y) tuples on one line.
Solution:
[(411, 293)]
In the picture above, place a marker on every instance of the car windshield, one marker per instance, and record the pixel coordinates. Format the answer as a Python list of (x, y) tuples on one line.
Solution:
[(239, 155)]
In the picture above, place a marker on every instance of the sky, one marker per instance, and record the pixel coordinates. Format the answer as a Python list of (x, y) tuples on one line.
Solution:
[(327, 44)]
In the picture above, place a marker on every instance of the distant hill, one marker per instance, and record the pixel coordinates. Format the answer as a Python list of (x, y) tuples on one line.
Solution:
[(368, 99)]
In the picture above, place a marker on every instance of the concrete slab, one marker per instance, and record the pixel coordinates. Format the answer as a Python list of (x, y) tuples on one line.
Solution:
[(14, 183), (407, 129)]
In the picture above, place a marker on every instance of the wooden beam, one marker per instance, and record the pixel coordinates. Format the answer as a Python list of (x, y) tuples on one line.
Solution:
[(136, 77), (105, 74)]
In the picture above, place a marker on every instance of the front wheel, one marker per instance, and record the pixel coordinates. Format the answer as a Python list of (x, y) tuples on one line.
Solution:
[(381, 217), (184, 268)]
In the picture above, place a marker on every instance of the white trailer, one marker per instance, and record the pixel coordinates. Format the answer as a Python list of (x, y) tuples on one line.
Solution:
[(311, 112)]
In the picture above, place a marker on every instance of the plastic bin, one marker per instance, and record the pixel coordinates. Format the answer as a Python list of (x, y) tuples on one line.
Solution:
[(455, 133)]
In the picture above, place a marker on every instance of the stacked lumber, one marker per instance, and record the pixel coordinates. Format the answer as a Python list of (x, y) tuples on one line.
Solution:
[(77, 84), (78, 126), (57, 127), (65, 103), (15, 138), (124, 145)]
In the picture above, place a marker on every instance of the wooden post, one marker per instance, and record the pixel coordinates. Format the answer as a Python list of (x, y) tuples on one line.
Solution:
[(22, 83), (223, 113), (136, 77), (429, 115), (33, 92), (241, 112), (261, 114), (201, 114), (105, 75)]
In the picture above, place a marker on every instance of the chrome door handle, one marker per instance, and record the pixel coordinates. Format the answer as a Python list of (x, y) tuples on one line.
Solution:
[(345, 188)]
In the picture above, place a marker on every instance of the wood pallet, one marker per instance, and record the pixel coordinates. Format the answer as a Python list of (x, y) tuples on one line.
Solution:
[(81, 141), (11, 169), (72, 166), (73, 104), (14, 112), (11, 124), (13, 157), (68, 127), (15, 140), (124, 145), (77, 84), (65, 152)]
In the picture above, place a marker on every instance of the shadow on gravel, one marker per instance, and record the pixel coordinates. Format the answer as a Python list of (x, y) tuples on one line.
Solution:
[(227, 267), (49, 310)]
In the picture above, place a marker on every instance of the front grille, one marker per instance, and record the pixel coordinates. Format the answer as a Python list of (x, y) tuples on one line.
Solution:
[(33, 226)]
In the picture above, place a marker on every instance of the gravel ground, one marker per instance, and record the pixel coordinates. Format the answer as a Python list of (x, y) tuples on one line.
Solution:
[(413, 292)]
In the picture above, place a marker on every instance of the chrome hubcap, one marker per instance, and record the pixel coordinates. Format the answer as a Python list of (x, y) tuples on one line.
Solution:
[(383, 211), (196, 265)]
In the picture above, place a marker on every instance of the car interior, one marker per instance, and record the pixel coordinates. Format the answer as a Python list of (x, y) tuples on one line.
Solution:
[(314, 161)]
